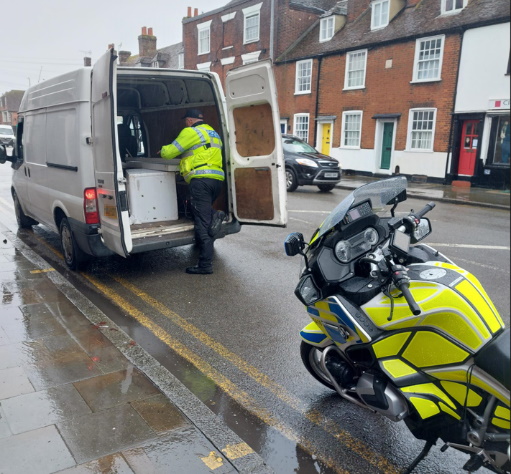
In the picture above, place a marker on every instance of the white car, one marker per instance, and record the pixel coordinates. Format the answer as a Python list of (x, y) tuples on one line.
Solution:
[(6, 135)]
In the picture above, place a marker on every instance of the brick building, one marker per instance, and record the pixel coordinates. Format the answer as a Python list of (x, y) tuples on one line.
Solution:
[(9, 106)]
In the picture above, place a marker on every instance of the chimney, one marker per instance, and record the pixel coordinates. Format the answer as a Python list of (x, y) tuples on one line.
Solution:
[(86, 61), (146, 43), (196, 12), (189, 15), (124, 56)]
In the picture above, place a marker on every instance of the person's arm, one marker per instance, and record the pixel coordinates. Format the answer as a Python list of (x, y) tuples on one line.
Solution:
[(186, 139)]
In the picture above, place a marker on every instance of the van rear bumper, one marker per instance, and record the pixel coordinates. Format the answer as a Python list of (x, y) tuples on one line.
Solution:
[(88, 239)]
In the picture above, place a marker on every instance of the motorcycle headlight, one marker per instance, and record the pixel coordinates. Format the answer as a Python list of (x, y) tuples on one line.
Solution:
[(307, 291), (307, 162)]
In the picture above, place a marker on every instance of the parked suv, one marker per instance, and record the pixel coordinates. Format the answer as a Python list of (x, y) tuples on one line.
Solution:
[(6, 135), (306, 165)]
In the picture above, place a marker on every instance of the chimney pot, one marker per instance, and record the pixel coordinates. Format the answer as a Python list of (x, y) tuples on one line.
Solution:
[(144, 30), (150, 32), (196, 12), (189, 12)]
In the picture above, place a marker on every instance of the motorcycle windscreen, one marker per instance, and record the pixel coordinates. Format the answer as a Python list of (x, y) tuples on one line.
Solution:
[(110, 183), (255, 144)]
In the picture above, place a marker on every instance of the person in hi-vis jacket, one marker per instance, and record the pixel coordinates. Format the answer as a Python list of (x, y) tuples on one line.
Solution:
[(200, 149)]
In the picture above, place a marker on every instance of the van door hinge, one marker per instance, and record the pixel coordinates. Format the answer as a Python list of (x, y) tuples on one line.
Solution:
[(122, 180), (123, 201), (88, 140)]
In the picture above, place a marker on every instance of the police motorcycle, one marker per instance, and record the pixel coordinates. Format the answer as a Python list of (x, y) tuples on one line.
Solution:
[(401, 330)]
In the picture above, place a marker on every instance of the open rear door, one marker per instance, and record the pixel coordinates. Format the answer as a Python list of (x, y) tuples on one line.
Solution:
[(256, 156), (110, 182)]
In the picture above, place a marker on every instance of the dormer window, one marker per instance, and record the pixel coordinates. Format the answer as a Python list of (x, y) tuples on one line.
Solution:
[(380, 14), (326, 29), (453, 6)]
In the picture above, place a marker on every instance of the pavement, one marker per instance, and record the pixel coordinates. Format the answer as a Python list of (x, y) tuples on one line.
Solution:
[(77, 395)]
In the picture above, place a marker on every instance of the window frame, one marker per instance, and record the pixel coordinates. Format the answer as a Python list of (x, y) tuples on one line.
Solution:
[(201, 28), (298, 78), (359, 113), (411, 120), (373, 15), (347, 71), (324, 30), (454, 10), (248, 13), (296, 133), (417, 59)]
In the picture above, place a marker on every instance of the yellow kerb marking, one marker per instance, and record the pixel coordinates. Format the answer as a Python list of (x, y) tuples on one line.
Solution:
[(43, 271), (236, 451), (213, 461)]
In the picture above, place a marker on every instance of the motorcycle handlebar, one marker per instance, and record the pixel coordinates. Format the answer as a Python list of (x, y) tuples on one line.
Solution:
[(409, 299), (425, 210)]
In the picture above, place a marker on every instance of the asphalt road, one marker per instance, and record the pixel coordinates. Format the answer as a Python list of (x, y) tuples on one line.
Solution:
[(232, 337)]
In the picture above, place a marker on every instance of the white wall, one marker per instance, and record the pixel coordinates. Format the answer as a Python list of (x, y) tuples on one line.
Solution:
[(483, 67)]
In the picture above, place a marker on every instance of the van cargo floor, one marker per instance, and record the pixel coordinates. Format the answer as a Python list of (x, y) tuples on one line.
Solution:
[(139, 231)]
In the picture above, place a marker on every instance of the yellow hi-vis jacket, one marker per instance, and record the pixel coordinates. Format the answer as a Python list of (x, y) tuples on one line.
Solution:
[(200, 148)]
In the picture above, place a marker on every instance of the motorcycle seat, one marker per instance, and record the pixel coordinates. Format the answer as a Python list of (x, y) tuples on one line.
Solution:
[(494, 358)]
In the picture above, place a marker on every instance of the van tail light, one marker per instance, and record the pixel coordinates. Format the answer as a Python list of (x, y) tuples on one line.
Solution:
[(90, 206)]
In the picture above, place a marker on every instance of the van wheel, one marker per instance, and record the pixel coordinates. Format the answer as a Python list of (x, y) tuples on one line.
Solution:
[(325, 188), (291, 180), (73, 255), (24, 222)]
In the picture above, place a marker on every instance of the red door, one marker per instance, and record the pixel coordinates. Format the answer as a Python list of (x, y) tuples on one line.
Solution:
[(468, 147)]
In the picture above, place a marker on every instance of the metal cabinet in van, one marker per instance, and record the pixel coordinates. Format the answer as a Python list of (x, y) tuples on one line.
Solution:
[(86, 162)]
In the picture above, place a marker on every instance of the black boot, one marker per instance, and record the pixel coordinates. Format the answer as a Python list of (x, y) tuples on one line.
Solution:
[(199, 270), (216, 224)]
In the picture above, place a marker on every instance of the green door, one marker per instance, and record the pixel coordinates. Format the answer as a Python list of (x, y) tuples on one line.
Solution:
[(386, 147)]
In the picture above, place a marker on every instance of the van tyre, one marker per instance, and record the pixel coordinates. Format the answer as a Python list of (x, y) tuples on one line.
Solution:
[(325, 188), (24, 222), (291, 180), (73, 255)]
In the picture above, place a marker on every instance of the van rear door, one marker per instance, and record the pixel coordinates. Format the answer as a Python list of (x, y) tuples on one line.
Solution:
[(255, 143), (110, 182)]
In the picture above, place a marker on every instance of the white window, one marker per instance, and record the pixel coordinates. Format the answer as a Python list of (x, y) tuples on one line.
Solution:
[(351, 129), (380, 14), (181, 61), (251, 29), (421, 129), (355, 77), (326, 29), (453, 6), (429, 54), (303, 77), (301, 124), (204, 33)]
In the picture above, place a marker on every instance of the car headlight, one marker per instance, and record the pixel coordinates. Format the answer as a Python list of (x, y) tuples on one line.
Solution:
[(307, 291), (307, 162)]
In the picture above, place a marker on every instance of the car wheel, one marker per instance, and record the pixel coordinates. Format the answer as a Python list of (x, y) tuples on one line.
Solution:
[(324, 188), (24, 222), (291, 180), (73, 255)]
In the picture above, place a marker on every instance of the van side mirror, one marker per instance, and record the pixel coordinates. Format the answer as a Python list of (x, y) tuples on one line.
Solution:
[(3, 155)]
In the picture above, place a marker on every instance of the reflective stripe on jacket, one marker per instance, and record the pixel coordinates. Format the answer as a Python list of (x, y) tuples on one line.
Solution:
[(200, 149)]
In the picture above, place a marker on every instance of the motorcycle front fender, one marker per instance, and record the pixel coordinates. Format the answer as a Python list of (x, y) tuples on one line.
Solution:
[(313, 335)]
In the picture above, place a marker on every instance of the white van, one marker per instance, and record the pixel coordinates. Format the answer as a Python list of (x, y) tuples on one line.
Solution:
[(86, 162), (6, 135)]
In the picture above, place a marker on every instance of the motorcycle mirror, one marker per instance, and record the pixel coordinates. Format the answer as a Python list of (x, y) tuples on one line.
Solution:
[(422, 230), (294, 244)]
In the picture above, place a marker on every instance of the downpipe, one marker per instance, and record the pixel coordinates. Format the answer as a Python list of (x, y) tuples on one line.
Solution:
[(343, 392)]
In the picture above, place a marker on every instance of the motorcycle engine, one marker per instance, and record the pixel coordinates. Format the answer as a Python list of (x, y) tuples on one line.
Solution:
[(378, 394)]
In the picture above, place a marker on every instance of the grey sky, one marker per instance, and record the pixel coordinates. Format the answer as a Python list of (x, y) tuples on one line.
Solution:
[(41, 39)]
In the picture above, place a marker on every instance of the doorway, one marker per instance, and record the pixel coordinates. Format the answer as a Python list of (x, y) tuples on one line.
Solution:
[(468, 147), (326, 129), (386, 145)]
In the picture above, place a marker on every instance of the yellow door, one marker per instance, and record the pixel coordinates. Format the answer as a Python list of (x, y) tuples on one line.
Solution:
[(325, 143)]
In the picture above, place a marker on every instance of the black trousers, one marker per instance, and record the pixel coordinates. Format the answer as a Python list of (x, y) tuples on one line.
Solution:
[(203, 192)]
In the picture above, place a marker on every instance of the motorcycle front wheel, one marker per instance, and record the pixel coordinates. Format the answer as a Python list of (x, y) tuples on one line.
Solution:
[(311, 358)]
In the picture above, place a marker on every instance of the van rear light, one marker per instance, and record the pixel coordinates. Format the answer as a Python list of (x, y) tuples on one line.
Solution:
[(90, 206)]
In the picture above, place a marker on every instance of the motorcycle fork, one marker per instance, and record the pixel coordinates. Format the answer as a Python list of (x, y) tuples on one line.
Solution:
[(343, 392)]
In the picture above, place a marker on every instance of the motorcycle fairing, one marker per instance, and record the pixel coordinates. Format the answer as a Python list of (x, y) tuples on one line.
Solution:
[(314, 335), (452, 301)]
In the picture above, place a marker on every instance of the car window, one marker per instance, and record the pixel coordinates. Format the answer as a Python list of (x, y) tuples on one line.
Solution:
[(292, 145), (6, 130)]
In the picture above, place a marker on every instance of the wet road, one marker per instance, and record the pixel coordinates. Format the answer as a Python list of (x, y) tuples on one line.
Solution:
[(232, 337)]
